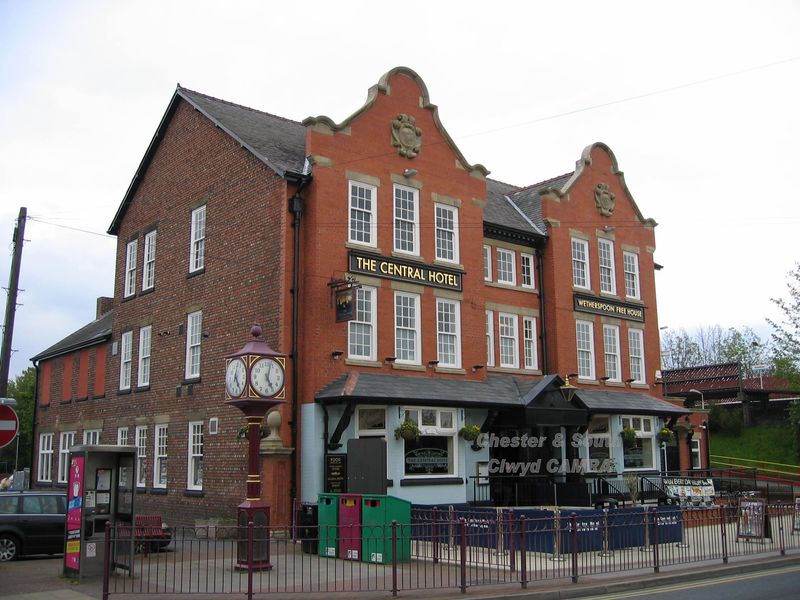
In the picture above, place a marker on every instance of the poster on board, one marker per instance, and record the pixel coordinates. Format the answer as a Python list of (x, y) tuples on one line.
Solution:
[(752, 519)]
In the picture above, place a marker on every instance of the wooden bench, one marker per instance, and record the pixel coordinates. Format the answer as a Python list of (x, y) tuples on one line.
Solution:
[(150, 534)]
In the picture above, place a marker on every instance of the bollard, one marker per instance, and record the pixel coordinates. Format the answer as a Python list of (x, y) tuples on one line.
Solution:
[(574, 527)]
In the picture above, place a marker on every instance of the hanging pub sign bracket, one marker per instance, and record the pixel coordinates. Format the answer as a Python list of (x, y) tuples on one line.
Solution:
[(345, 304)]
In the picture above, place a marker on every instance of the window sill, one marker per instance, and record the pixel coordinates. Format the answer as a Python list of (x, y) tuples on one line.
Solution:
[(149, 290), (123, 392), (193, 493), (158, 491), (614, 384), (82, 399), (610, 295), (407, 256), (431, 481), (357, 362), (514, 370), (65, 401), (405, 367), (191, 274), (638, 301), (448, 265), (587, 380), (639, 386), (193, 381), (451, 370), (144, 388), (362, 247), (128, 298)]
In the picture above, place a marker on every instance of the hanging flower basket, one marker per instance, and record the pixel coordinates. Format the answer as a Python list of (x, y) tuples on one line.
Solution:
[(407, 431), (470, 432), (665, 436), (628, 437)]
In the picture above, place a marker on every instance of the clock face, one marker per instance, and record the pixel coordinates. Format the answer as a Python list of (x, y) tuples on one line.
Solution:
[(266, 377), (235, 378)]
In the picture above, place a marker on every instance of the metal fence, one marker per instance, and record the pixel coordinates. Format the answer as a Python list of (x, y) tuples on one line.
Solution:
[(455, 549)]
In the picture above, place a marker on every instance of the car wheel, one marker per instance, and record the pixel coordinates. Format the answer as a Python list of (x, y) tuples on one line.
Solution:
[(9, 547)]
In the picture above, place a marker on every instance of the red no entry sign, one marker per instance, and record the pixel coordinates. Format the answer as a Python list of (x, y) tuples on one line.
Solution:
[(9, 425)]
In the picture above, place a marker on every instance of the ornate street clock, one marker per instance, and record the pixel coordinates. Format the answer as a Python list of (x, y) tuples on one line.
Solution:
[(255, 381)]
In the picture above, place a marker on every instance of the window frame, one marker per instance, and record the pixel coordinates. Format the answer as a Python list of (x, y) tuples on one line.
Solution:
[(514, 319), (530, 351), (145, 347), (456, 363), (194, 338), (63, 455), (607, 266), (489, 319), (140, 441), (642, 433), (593, 441), (416, 329), (616, 356), (592, 373), (631, 274), (580, 265), (512, 270), (487, 262), (414, 413), (372, 225), (638, 335), (149, 261), (377, 432), (372, 323), (438, 206), (44, 468), (91, 437), (125, 360), (412, 223), (197, 240), (194, 453), (523, 258), (160, 455), (695, 455), (122, 436), (129, 286)]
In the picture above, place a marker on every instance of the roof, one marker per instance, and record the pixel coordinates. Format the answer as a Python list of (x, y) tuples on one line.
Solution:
[(495, 391), (619, 402), (92, 334), (277, 142)]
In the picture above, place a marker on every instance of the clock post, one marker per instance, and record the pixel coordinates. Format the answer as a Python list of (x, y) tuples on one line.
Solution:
[(254, 383)]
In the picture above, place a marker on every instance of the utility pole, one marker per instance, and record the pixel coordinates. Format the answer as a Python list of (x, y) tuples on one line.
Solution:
[(11, 302)]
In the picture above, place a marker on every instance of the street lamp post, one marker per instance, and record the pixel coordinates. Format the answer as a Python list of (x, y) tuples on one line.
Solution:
[(702, 398)]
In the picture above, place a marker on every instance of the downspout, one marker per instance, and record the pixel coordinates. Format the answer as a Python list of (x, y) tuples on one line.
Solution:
[(541, 310), (33, 425), (296, 206)]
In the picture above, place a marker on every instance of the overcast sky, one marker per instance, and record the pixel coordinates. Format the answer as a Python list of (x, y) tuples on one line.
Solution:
[(698, 100)]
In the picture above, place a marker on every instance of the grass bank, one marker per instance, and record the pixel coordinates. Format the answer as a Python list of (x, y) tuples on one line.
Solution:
[(767, 443)]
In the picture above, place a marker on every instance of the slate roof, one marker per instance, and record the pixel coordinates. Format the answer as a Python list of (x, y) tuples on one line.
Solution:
[(495, 391), (617, 402), (279, 143), (94, 333)]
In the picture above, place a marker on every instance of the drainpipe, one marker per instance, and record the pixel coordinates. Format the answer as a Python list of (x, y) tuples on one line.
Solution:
[(296, 206), (541, 310), (33, 425)]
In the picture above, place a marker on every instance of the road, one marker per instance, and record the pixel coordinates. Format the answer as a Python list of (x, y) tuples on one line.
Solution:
[(772, 584)]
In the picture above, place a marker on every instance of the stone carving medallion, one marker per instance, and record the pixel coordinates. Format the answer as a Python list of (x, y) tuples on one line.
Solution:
[(604, 199), (406, 136)]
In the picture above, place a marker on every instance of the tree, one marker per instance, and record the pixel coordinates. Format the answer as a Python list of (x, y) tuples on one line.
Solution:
[(786, 333), (714, 345), (22, 389)]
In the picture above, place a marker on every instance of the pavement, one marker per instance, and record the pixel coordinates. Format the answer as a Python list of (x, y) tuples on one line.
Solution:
[(40, 579)]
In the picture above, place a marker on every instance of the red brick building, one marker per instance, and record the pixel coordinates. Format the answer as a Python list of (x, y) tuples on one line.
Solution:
[(472, 302)]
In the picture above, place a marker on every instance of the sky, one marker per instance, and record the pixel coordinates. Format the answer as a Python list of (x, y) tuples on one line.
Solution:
[(698, 101)]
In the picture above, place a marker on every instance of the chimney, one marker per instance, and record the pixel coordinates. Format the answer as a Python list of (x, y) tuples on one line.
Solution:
[(104, 304)]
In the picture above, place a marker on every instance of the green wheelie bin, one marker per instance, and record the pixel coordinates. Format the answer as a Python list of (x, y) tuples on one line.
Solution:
[(328, 521), (377, 514)]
